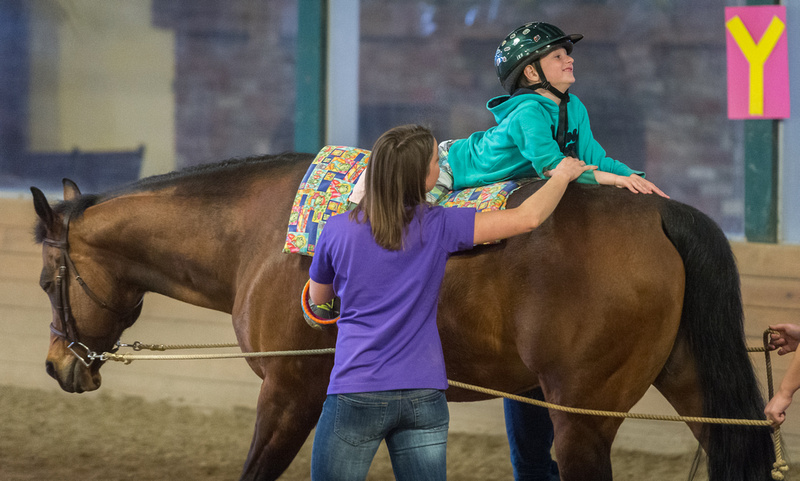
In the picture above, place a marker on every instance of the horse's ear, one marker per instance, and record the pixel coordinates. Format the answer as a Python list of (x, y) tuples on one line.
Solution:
[(71, 190), (42, 207)]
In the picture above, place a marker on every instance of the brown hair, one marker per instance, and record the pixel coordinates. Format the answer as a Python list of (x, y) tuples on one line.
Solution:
[(395, 183)]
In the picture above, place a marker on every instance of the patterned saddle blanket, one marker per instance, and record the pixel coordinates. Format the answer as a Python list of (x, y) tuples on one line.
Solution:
[(329, 181)]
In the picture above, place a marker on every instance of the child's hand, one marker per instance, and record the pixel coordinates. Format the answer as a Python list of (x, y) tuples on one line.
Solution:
[(638, 184), (570, 167)]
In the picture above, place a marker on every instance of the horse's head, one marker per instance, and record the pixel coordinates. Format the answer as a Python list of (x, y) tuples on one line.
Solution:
[(91, 303)]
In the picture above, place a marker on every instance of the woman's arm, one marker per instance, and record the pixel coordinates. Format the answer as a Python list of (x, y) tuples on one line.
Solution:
[(786, 340), (496, 225), (776, 408)]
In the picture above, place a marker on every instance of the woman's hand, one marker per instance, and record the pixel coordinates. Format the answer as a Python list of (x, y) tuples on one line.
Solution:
[(776, 407), (571, 168), (786, 338)]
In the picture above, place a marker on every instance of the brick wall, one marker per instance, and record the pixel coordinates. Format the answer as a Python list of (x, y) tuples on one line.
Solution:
[(234, 77)]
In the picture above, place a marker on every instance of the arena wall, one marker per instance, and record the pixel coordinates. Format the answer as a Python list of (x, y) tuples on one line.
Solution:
[(771, 291)]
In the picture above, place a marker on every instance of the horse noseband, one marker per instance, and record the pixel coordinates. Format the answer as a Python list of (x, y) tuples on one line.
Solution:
[(67, 329)]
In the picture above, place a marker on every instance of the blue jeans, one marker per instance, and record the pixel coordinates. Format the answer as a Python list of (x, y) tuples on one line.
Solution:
[(530, 437), (413, 422)]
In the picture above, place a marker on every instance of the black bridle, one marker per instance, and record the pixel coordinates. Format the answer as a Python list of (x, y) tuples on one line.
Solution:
[(67, 328)]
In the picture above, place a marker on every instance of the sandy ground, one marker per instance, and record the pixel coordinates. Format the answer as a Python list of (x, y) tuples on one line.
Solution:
[(49, 435)]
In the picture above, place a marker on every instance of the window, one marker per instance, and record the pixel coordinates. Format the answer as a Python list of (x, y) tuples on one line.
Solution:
[(106, 92)]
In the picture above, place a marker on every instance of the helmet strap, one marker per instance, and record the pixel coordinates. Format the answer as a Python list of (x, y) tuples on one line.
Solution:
[(561, 130), (545, 84)]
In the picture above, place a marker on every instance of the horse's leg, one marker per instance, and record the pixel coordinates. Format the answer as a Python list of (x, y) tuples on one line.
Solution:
[(591, 354), (679, 383), (267, 317), (583, 442), (289, 406), (583, 446), (619, 374)]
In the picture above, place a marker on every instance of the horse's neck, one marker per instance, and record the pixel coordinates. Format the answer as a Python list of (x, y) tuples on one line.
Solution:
[(168, 246)]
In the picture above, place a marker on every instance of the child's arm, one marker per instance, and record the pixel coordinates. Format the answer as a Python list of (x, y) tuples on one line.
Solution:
[(633, 182)]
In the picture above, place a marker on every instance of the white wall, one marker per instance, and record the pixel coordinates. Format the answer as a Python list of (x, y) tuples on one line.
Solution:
[(101, 79)]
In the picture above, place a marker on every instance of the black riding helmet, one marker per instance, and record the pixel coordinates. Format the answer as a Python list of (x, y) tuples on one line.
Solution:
[(525, 45)]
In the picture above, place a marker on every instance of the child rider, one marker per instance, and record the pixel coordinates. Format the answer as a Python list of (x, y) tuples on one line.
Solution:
[(539, 122)]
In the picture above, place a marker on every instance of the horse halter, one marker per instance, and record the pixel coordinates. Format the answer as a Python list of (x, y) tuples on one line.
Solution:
[(67, 329)]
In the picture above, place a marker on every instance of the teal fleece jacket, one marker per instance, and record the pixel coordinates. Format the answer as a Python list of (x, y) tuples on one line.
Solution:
[(522, 144)]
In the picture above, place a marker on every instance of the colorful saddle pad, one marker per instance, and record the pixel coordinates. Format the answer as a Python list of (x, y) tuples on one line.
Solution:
[(483, 198), (330, 180), (323, 193)]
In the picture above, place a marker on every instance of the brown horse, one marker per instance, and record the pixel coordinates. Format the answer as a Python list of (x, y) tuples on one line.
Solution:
[(613, 293)]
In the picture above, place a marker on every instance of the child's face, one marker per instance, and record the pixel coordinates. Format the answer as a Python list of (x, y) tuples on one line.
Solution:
[(557, 68), (433, 169)]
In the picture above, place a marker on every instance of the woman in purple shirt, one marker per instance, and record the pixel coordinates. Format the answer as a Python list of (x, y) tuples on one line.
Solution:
[(385, 260)]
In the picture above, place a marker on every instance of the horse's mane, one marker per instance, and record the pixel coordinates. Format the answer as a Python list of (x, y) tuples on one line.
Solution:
[(212, 177), (220, 179)]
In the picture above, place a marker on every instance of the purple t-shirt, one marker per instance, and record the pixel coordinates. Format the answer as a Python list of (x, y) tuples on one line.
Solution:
[(387, 336)]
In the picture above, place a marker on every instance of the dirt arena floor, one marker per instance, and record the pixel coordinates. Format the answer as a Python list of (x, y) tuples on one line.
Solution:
[(49, 435)]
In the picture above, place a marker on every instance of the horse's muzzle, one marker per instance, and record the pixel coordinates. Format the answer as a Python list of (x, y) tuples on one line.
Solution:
[(72, 375)]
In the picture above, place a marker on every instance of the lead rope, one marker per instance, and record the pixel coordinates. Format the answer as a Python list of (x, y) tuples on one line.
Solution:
[(611, 414), (127, 358), (138, 346), (779, 467)]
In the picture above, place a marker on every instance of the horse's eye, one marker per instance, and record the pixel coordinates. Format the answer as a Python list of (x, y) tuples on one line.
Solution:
[(46, 285)]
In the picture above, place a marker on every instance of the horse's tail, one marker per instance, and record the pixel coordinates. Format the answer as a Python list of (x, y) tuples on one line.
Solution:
[(713, 324)]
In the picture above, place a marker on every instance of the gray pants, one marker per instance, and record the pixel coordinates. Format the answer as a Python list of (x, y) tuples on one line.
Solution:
[(444, 184)]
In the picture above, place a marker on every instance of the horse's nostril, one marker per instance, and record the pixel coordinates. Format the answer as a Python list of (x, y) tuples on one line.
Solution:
[(50, 368)]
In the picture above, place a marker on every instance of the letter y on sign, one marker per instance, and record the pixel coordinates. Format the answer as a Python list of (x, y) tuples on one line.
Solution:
[(758, 62)]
